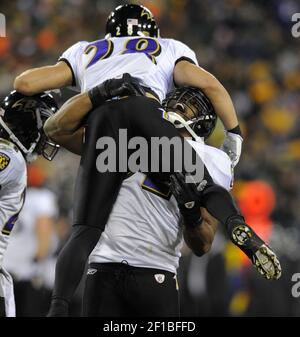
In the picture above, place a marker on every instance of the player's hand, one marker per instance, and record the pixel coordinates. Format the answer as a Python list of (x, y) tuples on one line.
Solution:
[(188, 199), (125, 86), (232, 145)]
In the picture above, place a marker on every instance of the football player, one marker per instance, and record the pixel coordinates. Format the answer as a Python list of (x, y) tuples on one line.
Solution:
[(191, 112), (132, 45), (132, 270), (21, 140)]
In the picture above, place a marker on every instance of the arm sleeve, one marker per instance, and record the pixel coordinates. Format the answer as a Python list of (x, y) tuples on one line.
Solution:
[(72, 57)]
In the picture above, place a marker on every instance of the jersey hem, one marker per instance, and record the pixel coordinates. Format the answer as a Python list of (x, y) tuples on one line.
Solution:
[(174, 271), (69, 65)]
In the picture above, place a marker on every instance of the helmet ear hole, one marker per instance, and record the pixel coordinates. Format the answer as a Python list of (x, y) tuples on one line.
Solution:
[(180, 107), (176, 122)]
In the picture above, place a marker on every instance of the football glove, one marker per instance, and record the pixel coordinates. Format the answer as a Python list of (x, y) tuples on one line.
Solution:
[(125, 86), (188, 197), (262, 256), (232, 145)]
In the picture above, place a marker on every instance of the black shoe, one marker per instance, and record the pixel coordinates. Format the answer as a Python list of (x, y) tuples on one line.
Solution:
[(262, 256)]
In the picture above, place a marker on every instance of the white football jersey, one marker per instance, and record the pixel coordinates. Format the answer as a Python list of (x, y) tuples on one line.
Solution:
[(19, 258), (145, 227), (13, 180), (151, 60)]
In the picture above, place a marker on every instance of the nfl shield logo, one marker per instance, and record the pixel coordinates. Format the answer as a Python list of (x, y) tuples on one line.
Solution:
[(91, 271), (160, 278)]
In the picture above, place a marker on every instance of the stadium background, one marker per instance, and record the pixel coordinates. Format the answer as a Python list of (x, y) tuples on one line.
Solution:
[(248, 45)]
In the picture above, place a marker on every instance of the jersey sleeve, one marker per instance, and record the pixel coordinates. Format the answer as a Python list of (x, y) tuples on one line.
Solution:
[(181, 51), (72, 57)]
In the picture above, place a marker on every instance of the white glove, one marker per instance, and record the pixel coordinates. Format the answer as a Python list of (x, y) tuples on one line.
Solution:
[(232, 145)]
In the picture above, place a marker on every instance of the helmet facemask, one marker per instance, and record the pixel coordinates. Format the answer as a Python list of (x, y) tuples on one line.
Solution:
[(45, 146), (23, 119), (189, 108)]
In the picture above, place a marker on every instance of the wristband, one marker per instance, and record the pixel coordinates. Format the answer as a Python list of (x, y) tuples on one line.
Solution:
[(97, 95), (192, 219), (236, 130)]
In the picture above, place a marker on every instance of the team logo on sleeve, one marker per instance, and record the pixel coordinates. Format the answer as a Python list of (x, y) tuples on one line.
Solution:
[(4, 161)]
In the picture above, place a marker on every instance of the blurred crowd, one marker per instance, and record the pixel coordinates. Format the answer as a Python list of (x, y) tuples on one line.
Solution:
[(248, 45)]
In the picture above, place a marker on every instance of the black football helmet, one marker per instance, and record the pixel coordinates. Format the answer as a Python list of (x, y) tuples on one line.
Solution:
[(191, 109), (131, 20), (22, 119)]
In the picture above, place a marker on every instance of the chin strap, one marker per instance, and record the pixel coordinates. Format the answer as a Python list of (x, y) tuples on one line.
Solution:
[(16, 141), (180, 123)]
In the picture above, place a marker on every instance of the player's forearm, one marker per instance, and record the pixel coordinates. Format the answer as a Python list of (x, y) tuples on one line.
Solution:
[(73, 142), (187, 74), (223, 105), (69, 117), (199, 239), (44, 231), (36, 80)]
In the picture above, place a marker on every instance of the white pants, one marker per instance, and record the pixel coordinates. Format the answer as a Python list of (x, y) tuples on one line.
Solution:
[(7, 292)]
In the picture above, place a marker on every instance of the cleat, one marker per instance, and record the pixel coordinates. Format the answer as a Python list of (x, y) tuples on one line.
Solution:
[(263, 258), (267, 263)]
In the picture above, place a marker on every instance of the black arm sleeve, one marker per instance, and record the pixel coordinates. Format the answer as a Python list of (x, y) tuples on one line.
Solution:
[(70, 265), (219, 203)]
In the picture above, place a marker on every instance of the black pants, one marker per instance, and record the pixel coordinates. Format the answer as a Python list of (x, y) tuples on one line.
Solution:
[(120, 290), (2, 307)]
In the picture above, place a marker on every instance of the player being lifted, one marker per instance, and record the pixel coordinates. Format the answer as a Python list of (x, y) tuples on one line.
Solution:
[(21, 140), (191, 112), (133, 46), (132, 270)]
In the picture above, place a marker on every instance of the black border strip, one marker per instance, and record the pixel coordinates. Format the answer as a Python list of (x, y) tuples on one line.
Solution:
[(69, 65), (184, 58)]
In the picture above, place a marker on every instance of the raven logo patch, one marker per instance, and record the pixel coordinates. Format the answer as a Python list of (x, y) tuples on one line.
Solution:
[(160, 278), (4, 161)]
